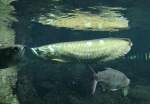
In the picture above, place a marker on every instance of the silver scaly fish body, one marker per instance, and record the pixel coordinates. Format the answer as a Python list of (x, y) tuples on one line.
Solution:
[(105, 49)]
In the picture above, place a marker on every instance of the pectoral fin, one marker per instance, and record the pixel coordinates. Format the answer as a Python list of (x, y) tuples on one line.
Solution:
[(59, 60), (125, 91), (113, 89)]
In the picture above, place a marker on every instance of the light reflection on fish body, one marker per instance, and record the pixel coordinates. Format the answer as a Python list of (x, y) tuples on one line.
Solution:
[(105, 49), (107, 19)]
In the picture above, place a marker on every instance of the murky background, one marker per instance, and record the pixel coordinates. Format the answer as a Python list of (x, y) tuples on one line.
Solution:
[(36, 81)]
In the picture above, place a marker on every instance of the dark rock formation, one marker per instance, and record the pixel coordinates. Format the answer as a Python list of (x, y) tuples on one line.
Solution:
[(8, 78)]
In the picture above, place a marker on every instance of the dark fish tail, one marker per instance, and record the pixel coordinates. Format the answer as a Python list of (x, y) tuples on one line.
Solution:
[(93, 71), (94, 84)]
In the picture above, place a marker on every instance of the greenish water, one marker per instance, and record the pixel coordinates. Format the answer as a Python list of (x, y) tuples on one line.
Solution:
[(43, 82)]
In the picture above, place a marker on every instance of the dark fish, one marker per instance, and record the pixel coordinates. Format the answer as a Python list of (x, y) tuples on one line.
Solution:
[(111, 79), (10, 55)]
